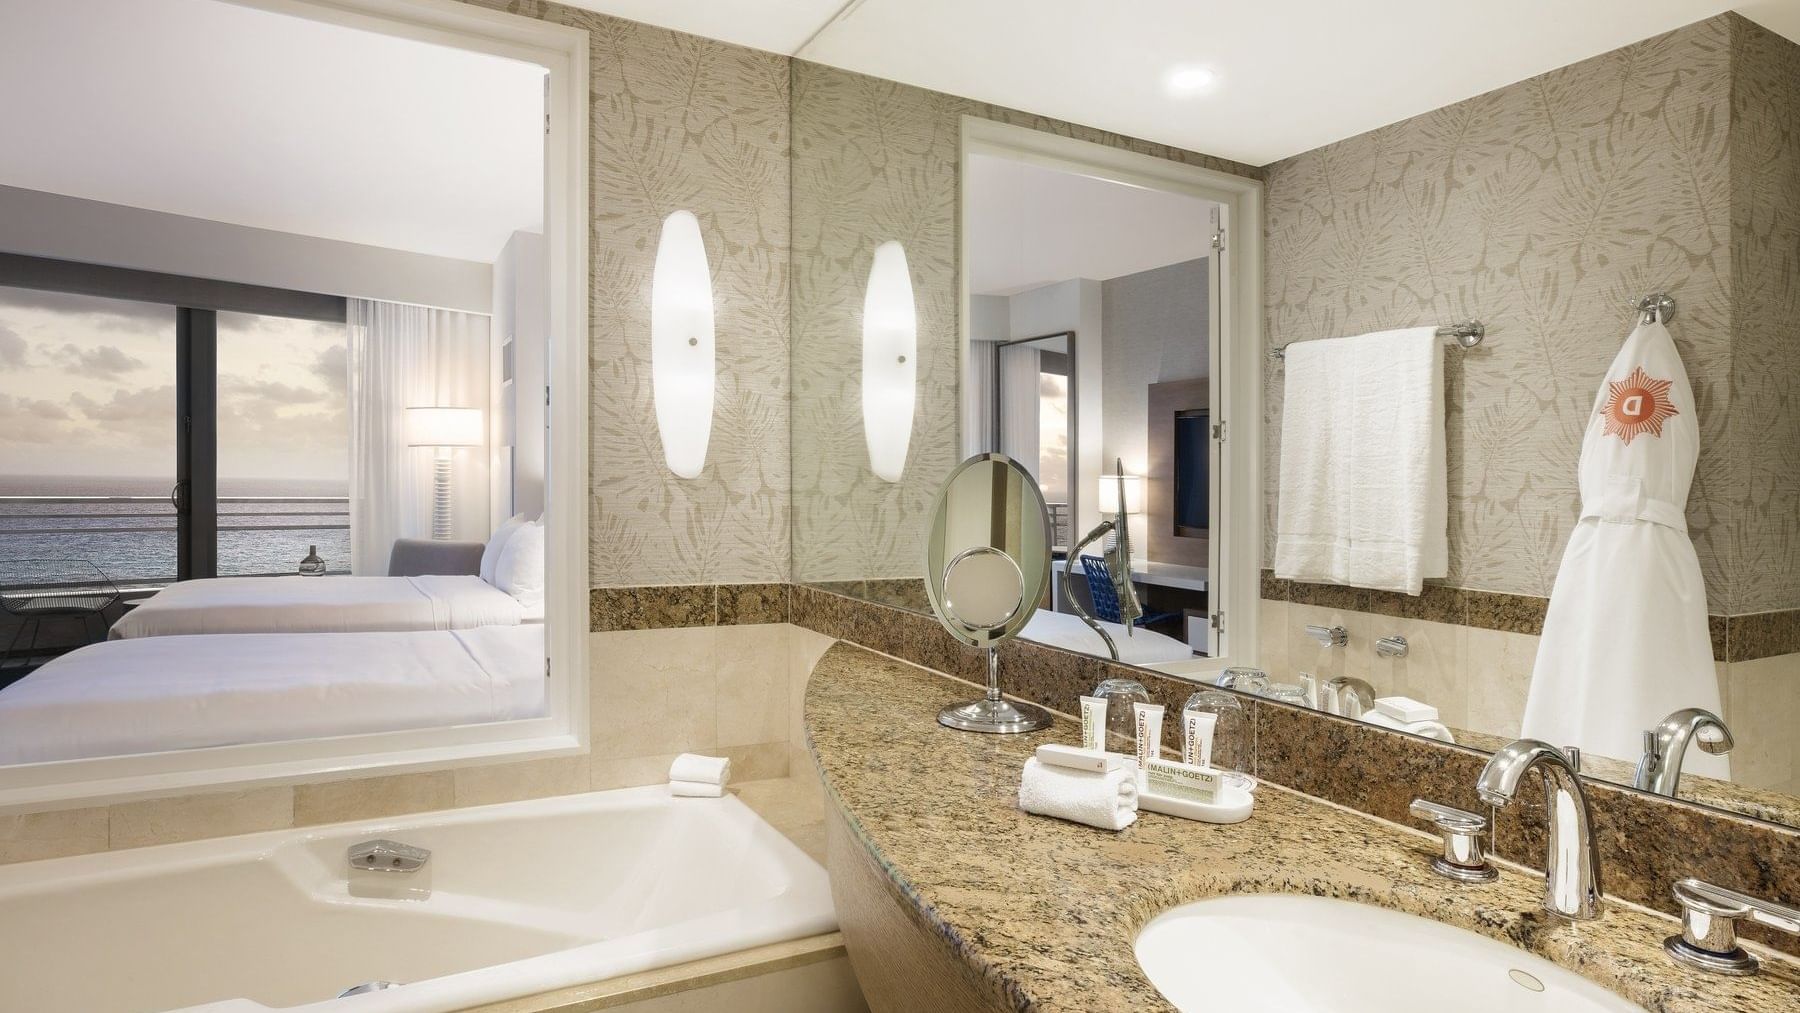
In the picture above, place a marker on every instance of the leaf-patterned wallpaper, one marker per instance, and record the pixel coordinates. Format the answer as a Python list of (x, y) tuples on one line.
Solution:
[(1765, 369), (872, 161), (680, 122), (1544, 209)]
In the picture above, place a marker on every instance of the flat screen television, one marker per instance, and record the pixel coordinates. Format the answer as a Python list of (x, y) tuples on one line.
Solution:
[(1192, 443)]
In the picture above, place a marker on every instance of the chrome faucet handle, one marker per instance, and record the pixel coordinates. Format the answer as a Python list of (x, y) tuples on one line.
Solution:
[(1329, 636), (1464, 859), (1350, 697), (1709, 917)]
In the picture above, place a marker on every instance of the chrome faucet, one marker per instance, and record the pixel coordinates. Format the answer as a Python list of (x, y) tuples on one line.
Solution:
[(1572, 859), (1666, 745)]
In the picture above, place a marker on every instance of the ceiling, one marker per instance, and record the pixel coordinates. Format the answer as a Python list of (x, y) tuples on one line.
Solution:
[(1030, 225), (1290, 75), (227, 113)]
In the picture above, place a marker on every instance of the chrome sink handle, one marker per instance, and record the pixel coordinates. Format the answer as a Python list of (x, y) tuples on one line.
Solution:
[(1464, 859), (1709, 917)]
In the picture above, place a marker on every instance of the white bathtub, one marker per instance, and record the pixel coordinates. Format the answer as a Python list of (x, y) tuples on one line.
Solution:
[(517, 898)]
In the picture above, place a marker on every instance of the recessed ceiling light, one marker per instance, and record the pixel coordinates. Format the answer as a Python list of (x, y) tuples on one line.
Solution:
[(1189, 80)]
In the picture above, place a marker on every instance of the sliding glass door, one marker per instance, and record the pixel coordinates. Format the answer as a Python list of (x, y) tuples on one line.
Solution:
[(283, 441), (161, 428), (88, 435)]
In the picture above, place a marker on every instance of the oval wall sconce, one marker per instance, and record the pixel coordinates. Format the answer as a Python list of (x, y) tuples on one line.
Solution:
[(889, 362), (681, 344)]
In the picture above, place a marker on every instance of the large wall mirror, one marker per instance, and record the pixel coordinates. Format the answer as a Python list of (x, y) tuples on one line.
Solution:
[(1078, 309), (281, 483), (1078, 318)]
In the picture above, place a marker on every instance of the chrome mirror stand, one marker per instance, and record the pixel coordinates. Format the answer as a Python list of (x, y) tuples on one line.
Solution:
[(993, 712)]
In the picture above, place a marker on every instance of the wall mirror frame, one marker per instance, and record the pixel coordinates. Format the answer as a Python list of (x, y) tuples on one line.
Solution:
[(1237, 381), (564, 728)]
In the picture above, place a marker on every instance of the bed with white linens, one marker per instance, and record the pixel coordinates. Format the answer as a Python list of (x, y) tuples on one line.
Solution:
[(1069, 632), (336, 604), (155, 694), (508, 590)]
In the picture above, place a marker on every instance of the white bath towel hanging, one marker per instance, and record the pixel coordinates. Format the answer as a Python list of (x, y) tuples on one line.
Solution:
[(1625, 642), (1363, 492)]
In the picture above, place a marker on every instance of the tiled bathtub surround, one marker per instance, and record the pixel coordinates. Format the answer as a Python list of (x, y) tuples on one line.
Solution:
[(683, 605), (1647, 843)]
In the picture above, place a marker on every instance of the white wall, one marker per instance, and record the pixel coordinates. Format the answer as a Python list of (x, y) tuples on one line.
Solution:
[(521, 311), (1156, 325), (67, 228), (1073, 306)]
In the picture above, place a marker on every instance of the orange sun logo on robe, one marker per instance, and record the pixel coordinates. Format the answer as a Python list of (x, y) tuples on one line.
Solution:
[(1637, 405)]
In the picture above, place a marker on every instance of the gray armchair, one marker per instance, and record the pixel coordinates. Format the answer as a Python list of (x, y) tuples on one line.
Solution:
[(418, 557)]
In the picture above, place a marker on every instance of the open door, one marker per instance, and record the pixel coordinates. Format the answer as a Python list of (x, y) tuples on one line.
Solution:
[(1215, 456)]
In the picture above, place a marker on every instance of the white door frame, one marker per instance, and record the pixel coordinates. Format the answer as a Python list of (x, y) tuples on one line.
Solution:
[(564, 730), (1240, 380)]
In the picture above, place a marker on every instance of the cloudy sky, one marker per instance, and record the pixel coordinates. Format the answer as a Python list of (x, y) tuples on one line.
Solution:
[(87, 387)]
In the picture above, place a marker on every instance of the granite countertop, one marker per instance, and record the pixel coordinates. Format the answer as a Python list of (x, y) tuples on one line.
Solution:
[(937, 809)]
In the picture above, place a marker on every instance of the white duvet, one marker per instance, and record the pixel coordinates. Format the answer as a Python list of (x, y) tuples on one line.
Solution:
[(1067, 631), (162, 693), (296, 604)]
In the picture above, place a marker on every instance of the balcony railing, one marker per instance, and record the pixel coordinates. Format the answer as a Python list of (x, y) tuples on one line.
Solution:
[(132, 538)]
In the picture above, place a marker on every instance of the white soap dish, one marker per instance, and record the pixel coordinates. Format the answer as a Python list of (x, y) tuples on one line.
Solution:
[(1233, 805)]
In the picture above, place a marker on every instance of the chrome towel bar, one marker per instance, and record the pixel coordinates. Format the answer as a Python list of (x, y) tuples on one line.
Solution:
[(1465, 335)]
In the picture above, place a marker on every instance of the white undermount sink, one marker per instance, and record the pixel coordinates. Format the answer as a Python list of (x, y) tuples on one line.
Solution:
[(1292, 954)]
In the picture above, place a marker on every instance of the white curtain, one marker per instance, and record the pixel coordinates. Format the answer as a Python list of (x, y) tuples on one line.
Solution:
[(401, 357), (1019, 405), (978, 400)]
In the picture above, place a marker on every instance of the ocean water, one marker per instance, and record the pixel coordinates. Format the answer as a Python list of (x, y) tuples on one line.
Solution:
[(135, 541)]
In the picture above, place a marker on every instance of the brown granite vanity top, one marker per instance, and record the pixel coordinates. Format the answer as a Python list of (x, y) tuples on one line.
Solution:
[(1047, 910)]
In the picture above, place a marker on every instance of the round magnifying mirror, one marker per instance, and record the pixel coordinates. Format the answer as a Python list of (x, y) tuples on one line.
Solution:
[(987, 564), (983, 589)]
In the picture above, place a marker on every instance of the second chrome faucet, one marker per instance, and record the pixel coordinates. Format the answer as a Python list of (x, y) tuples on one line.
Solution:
[(1572, 858)]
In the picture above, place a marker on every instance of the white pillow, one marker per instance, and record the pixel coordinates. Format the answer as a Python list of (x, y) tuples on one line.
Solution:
[(520, 571), (490, 556)]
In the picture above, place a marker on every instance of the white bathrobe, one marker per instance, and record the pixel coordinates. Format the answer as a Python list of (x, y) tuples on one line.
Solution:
[(1625, 642)]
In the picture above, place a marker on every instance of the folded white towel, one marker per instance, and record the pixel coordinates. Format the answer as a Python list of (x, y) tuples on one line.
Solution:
[(701, 769), (1364, 498), (1106, 800), (1430, 729), (696, 789)]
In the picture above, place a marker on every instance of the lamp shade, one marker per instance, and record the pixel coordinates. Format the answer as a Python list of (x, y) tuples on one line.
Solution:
[(444, 427), (681, 344), (890, 361), (1109, 494)]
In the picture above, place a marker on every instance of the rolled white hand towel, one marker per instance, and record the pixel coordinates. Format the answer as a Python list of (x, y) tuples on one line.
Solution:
[(1106, 800), (1430, 729), (695, 789), (701, 769)]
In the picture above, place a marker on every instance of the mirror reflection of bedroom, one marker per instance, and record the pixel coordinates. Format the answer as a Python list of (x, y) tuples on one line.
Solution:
[(1089, 361), (272, 411)]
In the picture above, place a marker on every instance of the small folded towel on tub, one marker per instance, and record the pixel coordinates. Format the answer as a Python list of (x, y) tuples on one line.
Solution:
[(696, 776), (1106, 800)]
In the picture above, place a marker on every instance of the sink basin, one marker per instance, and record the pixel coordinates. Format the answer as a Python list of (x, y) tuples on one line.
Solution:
[(1289, 953)]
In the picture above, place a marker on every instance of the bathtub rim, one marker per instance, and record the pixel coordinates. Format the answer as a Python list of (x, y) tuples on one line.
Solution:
[(801, 911)]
